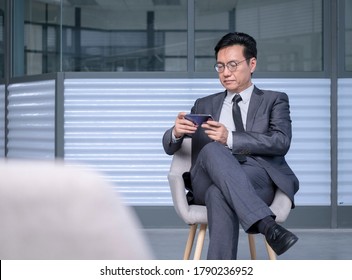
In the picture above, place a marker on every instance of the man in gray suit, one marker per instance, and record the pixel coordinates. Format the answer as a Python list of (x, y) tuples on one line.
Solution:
[(236, 169)]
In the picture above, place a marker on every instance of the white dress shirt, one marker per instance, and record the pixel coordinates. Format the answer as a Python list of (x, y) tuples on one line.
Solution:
[(226, 111)]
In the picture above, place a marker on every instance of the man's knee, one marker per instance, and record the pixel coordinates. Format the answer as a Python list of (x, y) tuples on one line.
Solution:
[(210, 150), (213, 195)]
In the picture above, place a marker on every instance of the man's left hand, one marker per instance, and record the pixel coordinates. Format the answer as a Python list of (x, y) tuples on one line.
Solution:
[(216, 131)]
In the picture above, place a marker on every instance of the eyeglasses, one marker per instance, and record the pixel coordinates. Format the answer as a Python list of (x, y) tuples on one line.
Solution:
[(232, 66)]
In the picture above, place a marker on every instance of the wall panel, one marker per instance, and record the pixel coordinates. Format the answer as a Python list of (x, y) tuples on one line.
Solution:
[(31, 120), (345, 142), (2, 121), (116, 126)]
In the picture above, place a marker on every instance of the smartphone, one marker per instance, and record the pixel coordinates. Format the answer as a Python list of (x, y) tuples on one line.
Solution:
[(198, 119)]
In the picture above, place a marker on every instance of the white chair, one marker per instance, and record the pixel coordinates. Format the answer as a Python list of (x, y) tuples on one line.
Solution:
[(196, 215), (49, 210)]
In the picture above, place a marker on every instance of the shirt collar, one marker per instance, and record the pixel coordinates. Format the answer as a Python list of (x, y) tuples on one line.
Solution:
[(245, 94)]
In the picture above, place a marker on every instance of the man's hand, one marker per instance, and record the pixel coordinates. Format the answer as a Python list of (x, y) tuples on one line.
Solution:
[(216, 131), (183, 126)]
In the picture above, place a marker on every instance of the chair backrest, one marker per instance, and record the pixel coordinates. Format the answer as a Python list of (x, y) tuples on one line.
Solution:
[(49, 210), (181, 162)]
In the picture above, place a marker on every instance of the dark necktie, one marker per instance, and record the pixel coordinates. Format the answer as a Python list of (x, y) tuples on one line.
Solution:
[(236, 114)]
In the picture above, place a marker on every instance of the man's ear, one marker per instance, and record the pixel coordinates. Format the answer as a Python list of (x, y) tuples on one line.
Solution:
[(253, 64)]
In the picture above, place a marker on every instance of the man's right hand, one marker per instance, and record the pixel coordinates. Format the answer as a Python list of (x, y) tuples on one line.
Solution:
[(183, 126)]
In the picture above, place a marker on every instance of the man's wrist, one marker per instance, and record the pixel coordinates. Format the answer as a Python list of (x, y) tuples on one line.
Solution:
[(174, 138)]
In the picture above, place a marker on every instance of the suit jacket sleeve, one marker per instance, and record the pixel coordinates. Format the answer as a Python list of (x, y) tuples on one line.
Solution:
[(169, 146)]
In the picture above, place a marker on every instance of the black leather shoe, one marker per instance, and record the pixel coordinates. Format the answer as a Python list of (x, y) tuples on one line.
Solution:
[(280, 239)]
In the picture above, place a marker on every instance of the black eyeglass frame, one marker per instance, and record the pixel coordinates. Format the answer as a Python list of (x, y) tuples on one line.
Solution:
[(231, 65)]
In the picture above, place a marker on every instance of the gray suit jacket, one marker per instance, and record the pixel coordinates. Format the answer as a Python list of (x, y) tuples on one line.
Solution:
[(267, 137)]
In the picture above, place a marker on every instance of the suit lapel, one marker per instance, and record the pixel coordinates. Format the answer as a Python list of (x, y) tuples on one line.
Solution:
[(217, 105), (256, 100)]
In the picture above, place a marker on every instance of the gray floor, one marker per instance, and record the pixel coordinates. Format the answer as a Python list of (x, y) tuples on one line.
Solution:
[(313, 244)]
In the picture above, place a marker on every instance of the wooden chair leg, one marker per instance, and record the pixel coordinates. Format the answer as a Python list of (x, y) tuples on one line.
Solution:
[(271, 253), (189, 244), (252, 249), (200, 241)]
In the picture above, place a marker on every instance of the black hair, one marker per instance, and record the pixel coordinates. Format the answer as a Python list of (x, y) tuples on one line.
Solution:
[(238, 38)]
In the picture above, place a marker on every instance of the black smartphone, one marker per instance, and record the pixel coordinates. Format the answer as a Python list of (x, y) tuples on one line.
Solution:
[(198, 119)]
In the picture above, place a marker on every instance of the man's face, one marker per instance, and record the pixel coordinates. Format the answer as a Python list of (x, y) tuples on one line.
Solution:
[(240, 79)]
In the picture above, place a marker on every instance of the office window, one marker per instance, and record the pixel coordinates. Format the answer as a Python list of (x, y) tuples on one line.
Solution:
[(288, 33), (120, 36), (100, 36), (36, 27), (151, 36), (348, 35)]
